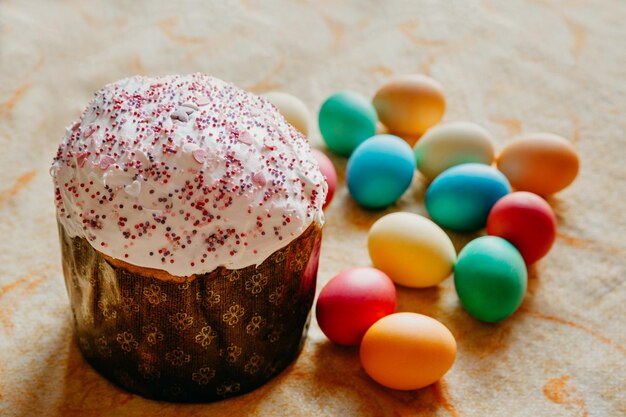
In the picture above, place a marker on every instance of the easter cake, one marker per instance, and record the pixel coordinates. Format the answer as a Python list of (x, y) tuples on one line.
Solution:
[(190, 217)]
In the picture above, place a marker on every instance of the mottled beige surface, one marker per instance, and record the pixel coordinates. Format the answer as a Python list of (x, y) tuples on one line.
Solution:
[(514, 66)]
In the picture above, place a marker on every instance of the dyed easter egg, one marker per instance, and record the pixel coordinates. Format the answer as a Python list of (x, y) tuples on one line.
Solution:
[(449, 144), (379, 171), (490, 278), (541, 163), (411, 249), (461, 197), (352, 301), (328, 171), (525, 220), (407, 351), (346, 119), (410, 104), (292, 108)]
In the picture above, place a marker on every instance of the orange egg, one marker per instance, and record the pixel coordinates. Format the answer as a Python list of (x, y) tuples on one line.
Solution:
[(410, 104), (542, 163), (407, 351)]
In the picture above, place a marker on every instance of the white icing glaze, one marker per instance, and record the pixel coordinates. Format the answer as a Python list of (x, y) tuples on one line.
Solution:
[(185, 174)]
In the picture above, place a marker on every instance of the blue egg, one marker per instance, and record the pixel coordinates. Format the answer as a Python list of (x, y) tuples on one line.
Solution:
[(380, 170), (461, 197)]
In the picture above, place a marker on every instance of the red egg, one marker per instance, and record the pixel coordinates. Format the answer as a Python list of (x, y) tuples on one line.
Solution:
[(352, 301), (526, 221), (328, 171)]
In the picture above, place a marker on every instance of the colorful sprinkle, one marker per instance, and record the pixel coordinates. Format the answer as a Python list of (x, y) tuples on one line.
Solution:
[(191, 106), (259, 178), (270, 145), (106, 161), (180, 115), (133, 189), (81, 158), (245, 137), (199, 155), (89, 131)]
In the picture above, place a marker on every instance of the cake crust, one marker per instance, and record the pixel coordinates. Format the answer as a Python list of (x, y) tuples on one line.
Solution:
[(145, 271)]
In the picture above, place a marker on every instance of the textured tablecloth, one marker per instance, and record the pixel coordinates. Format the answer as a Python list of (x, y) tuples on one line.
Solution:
[(514, 66)]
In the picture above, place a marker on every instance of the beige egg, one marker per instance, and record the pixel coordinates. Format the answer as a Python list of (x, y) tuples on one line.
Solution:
[(542, 163), (292, 108), (449, 144), (410, 104)]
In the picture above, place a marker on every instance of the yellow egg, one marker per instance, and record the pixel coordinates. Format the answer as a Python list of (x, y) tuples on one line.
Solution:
[(407, 351), (292, 108), (410, 104), (411, 249), (541, 163), (449, 144)]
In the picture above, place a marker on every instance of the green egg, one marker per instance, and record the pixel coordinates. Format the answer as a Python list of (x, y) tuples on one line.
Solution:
[(490, 278), (346, 119)]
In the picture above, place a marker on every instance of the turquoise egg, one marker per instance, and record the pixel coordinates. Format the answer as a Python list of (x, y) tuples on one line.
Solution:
[(461, 197), (490, 278), (380, 170), (346, 119)]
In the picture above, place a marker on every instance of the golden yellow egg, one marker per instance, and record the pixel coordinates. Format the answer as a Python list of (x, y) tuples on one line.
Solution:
[(410, 104), (411, 249)]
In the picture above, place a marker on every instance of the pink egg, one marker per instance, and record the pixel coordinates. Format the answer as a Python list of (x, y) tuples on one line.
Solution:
[(328, 171), (352, 301)]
